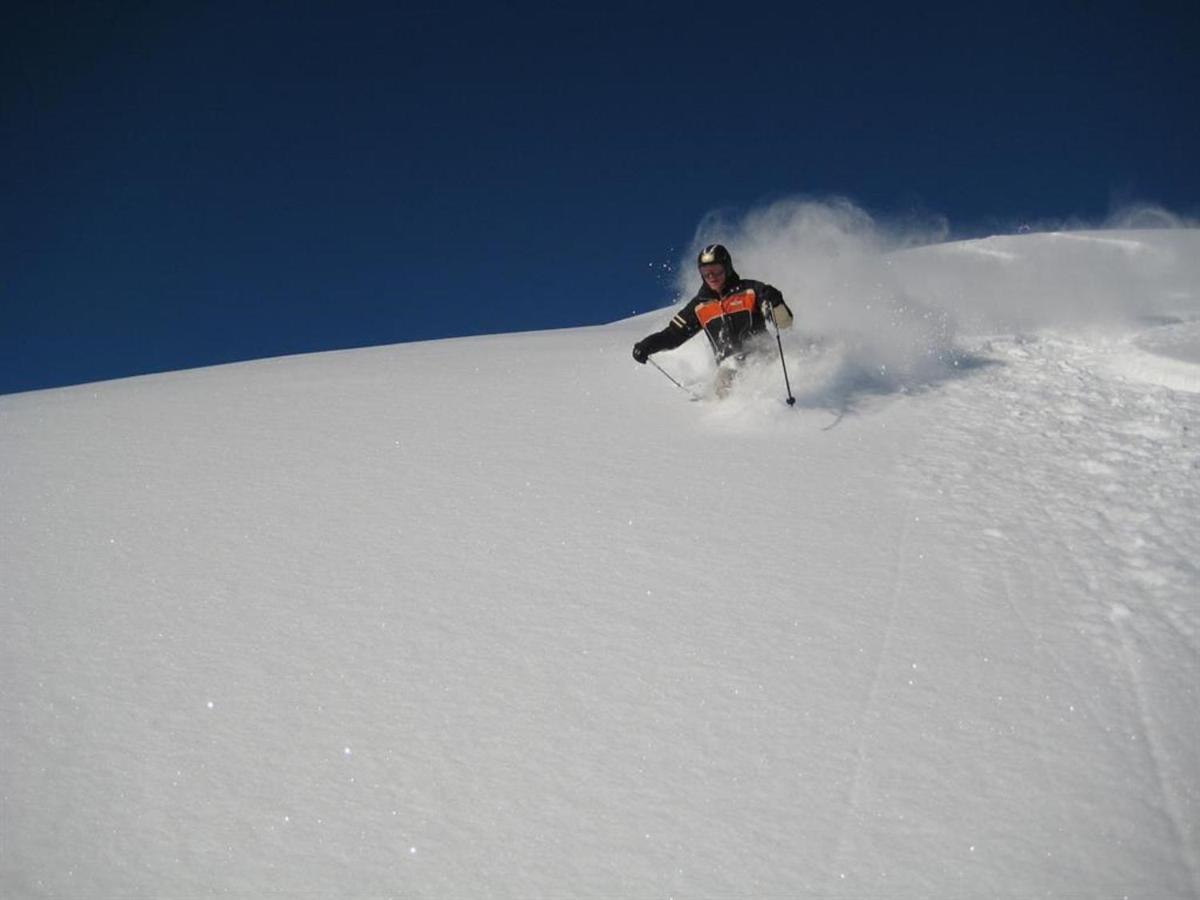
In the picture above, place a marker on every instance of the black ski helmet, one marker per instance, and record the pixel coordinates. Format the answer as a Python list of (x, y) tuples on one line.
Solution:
[(715, 254)]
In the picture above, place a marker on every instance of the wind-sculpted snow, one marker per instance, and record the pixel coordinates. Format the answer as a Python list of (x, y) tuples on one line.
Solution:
[(510, 616), (1092, 280), (1168, 354)]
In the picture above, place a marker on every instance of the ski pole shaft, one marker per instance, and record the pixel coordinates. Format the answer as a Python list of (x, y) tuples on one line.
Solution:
[(670, 379), (791, 401)]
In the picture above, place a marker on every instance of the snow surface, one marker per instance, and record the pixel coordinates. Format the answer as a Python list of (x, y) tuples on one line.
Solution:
[(510, 616)]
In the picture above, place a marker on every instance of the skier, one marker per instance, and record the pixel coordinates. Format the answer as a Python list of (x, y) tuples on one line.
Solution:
[(728, 308)]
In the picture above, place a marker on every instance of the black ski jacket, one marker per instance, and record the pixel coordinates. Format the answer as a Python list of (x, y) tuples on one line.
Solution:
[(726, 319)]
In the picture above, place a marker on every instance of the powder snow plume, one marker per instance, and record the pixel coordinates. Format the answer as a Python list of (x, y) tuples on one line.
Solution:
[(898, 317)]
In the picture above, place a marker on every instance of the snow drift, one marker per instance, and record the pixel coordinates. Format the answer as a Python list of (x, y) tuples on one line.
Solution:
[(508, 616)]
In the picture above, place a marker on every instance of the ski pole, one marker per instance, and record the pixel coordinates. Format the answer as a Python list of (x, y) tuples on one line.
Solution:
[(791, 401), (672, 380)]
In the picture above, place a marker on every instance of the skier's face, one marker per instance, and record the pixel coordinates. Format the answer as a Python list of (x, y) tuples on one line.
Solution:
[(713, 275)]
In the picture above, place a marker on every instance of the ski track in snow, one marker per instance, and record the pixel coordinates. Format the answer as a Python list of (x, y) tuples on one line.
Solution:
[(1102, 500), (485, 618), (869, 707)]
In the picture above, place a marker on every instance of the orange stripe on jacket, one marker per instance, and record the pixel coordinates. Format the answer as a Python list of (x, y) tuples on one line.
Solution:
[(743, 301)]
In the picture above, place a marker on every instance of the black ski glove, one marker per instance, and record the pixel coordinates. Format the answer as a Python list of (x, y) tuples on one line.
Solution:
[(639, 352)]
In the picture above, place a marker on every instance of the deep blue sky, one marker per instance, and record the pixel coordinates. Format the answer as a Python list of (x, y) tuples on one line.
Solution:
[(193, 183)]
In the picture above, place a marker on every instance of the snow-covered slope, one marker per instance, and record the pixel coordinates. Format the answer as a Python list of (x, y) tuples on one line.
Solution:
[(510, 616)]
